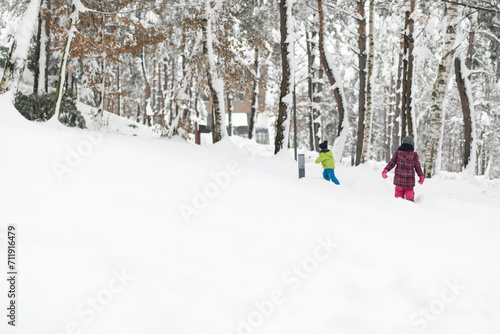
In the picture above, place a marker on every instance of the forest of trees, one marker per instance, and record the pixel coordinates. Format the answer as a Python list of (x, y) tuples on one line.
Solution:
[(362, 74)]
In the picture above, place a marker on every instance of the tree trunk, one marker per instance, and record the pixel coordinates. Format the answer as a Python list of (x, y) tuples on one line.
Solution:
[(215, 84), (161, 93), (368, 115), (47, 49), (74, 89), (362, 80), (287, 77), (197, 134), (317, 99), (387, 137), (154, 85), (329, 67), (465, 92), (463, 66), (312, 89), (172, 85), (255, 96), (392, 110), (147, 93), (119, 89), (64, 63), (396, 139), (229, 112), (336, 82), (406, 108), (438, 95), (16, 61), (310, 62), (409, 82), (38, 47), (103, 85), (66, 82), (464, 99), (403, 84), (165, 84)]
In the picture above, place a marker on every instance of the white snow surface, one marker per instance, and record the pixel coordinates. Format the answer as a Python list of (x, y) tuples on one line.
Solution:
[(104, 247)]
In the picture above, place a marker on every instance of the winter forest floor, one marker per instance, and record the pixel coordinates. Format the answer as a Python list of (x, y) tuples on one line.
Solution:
[(121, 232)]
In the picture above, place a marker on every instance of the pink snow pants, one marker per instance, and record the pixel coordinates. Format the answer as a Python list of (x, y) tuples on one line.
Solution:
[(405, 193)]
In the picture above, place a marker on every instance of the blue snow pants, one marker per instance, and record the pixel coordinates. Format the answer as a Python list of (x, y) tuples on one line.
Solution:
[(329, 175)]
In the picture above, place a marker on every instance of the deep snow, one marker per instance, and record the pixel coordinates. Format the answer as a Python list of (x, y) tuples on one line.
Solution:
[(126, 240)]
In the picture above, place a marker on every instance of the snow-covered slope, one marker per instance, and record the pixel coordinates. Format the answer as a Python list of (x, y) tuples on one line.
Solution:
[(127, 234), (111, 123)]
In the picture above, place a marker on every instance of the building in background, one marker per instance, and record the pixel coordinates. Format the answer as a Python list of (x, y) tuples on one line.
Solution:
[(240, 117)]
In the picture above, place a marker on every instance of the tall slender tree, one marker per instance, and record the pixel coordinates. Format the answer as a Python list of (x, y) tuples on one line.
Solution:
[(255, 96), (38, 51), (368, 114), (463, 68), (215, 83), (287, 76), (407, 72), (396, 120), (432, 162), (312, 86), (337, 84), (64, 60), (45, 59), (362, 60)]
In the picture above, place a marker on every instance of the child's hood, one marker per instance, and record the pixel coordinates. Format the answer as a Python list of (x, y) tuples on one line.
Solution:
[(408, 156), (328, 153)]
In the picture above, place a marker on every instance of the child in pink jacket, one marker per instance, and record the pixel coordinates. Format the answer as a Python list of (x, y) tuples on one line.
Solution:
[(406, 161)]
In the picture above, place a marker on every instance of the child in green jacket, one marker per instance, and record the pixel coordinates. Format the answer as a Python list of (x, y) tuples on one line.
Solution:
[(328, 163)]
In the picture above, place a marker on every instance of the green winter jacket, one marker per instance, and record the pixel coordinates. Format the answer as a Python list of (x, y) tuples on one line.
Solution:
[(326, 159)]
